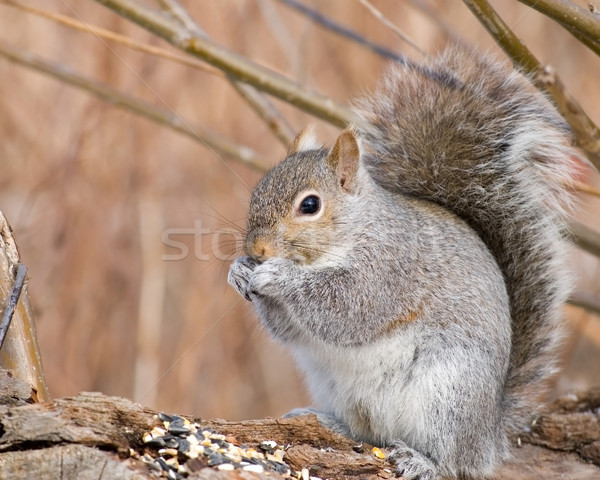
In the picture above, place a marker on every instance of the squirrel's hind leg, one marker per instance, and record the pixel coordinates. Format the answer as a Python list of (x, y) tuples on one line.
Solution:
[(411, 464), (324, 418)]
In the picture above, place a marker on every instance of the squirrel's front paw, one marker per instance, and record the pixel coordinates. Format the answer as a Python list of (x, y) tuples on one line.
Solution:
[(239, 274), (266, 278), (411, 464)]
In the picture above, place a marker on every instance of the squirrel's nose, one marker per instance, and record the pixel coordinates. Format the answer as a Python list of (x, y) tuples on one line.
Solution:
[(261, 249)]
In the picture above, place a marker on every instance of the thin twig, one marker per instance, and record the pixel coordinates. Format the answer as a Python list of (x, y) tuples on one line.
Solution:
[(258, 102), (265, 109), (587, 134), (585, 300), (581, 23), (329, 24), (281, 33), (159, 115), (585, 238), (585, 188), (432, 14), (179, 13), (503, 35), (115, 37), (233, 64), (12, 301), (394, 28)]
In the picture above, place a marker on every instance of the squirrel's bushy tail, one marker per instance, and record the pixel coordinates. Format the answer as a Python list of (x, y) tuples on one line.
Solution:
[(477, 138)]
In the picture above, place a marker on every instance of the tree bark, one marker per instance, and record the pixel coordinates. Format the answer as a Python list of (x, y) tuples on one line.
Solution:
[(94, 436)]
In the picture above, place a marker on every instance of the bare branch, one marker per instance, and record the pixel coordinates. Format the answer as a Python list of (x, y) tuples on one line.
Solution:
[(586, 132), (379, 16), (159, 115), (180, 14), (325, 22), (581, 23), (259, 103), (503, 35), (115, 37), (233, 64), (585, 300), (429, 11), (281, 33), (585, 238), (267, 112), (584, 188)]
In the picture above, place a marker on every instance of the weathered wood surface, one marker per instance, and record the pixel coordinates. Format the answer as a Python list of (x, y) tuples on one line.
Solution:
[(20, 352), (92, 436), (572, 425)]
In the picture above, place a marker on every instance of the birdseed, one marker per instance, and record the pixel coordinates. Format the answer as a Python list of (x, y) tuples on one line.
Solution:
[(378, 453), (178, 440)]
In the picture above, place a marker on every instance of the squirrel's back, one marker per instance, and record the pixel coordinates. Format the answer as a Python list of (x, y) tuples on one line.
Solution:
[(478, 139)]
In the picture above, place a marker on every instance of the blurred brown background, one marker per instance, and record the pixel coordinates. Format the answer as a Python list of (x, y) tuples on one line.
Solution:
[(89, 190)]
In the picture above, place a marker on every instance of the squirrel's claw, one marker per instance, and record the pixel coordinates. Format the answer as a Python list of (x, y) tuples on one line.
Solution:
[(239, 275), (411, 464)]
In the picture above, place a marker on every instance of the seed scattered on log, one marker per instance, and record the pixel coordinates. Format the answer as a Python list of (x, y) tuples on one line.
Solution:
[(378, 453), (178, 441)]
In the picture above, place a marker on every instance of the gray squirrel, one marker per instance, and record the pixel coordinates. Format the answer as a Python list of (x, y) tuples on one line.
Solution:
[(416, 269)]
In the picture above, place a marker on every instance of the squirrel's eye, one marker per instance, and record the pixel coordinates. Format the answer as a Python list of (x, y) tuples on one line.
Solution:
[(310, 205)]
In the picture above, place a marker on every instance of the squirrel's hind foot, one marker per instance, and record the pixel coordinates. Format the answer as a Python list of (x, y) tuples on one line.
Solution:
[(410, 464)]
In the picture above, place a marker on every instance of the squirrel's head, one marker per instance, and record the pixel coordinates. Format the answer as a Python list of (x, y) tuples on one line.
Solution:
[(296, 209)]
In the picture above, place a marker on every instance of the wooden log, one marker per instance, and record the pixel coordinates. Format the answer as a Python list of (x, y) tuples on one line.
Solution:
[(572, 425), (92, 436)]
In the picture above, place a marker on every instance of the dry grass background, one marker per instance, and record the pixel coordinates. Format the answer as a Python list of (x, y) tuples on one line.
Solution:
[(90, 188)]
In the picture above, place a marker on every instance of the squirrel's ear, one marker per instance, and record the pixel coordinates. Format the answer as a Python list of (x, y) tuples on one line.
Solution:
[(305, 140), (344, 157)]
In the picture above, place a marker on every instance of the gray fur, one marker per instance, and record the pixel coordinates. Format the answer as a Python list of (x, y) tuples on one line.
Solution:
[(423, 304)]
